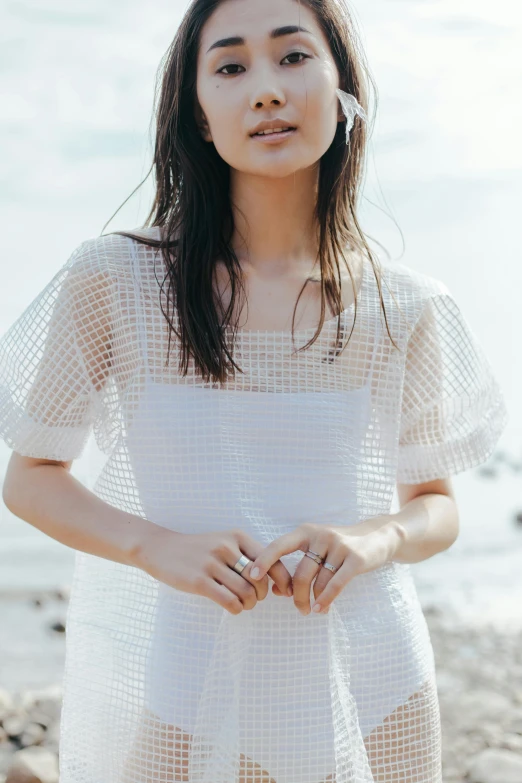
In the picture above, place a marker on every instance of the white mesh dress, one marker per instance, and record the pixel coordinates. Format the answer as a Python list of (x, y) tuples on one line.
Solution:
[(162, 685)]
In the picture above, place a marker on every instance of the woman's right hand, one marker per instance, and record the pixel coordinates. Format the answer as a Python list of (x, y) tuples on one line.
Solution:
[(201, 563)]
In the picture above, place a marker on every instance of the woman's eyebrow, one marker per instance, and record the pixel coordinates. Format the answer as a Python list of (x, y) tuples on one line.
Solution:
[(238, 40)]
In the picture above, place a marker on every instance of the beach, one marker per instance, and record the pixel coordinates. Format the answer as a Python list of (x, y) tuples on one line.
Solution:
[(479, 681)]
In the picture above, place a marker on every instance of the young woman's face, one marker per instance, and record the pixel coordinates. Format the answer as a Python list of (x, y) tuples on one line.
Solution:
[(290, 77)]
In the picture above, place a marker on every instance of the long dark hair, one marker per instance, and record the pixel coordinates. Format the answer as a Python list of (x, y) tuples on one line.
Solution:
[(192, 207)]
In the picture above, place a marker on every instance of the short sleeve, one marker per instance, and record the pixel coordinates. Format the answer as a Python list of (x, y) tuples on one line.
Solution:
[(53, 365), (453, 410)]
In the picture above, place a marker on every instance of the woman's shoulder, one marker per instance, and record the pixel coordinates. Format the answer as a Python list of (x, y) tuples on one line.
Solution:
[(112, 250), (410, 286), (109, 258)]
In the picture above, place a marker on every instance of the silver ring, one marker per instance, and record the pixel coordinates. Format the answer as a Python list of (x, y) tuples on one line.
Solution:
[(330, 567), (241, 564), (318, 559)]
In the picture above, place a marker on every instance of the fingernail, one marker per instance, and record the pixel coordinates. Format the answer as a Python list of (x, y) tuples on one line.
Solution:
[(254, 573), (316, 608), (289, 592)]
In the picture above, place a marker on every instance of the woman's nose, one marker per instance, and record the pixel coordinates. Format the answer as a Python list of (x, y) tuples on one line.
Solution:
[(267, 95)]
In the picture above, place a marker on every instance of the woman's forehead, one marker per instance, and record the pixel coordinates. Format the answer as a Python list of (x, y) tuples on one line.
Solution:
[(249, 19)]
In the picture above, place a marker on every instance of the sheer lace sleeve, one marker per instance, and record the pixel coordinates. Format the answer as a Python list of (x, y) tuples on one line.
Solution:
[(54, 361), (453, 410)]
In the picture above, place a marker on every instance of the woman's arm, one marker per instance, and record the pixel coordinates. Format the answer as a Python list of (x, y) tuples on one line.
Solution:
[(43, 493), (427, 523)]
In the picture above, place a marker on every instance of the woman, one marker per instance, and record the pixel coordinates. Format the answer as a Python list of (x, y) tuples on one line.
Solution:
[(242, 433)]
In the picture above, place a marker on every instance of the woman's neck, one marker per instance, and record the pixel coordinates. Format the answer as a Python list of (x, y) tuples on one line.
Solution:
[(275, 234)]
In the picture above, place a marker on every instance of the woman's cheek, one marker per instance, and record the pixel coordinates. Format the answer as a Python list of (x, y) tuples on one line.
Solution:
[(230, 149)]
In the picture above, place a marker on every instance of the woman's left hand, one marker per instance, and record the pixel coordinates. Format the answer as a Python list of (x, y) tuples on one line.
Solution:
[(353, 550)]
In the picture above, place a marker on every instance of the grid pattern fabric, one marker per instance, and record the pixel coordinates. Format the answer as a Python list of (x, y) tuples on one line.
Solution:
[(161, 685)]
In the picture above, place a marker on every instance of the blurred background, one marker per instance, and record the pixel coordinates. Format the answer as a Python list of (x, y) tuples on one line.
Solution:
[(443, 195)]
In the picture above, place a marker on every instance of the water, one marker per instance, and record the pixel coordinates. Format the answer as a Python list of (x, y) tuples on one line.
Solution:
[(445, 161)]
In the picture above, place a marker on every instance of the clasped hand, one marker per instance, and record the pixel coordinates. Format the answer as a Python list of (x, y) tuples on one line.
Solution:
[(353, 550), (203, 563)]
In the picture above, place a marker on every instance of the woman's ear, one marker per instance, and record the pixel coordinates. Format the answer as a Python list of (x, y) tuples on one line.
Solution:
[(201, 122), (205, 131)]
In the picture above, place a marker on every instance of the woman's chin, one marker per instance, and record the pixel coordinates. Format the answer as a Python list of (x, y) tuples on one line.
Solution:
[(279, 168)]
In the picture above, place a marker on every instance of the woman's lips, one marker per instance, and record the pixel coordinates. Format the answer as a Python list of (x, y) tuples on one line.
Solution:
[(272, 138)]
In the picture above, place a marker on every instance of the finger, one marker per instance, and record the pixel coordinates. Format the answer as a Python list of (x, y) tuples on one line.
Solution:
[(232, 557), (277, 591), (282, 578), (267, 561), (305, 573), (325, 575), (236, 583), (259, 585), (278, 572), (336, 584), (271, 553), (224, 597)]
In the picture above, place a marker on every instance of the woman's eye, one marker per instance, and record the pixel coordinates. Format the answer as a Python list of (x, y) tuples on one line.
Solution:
[(235, 65), (232, 65), (293, 54)]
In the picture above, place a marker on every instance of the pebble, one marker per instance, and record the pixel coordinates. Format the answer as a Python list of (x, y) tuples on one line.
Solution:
[(481, 714), (495, 766), (33, 765)]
